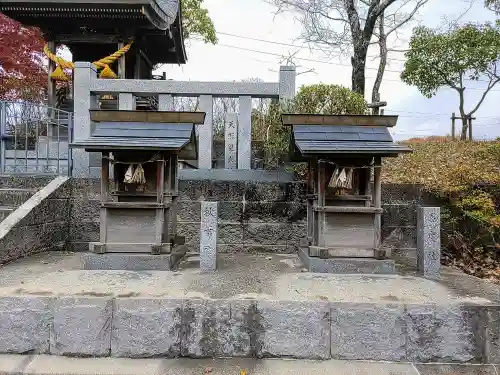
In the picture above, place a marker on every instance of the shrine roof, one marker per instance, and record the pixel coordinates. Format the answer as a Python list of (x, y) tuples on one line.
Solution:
[(367, 135), (134, 136)]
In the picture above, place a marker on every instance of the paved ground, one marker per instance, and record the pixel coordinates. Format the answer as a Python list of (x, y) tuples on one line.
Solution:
[(239, 276), (49, 365)]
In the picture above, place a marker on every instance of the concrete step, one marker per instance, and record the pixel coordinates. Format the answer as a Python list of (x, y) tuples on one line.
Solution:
[(14, 197), (48, 365)]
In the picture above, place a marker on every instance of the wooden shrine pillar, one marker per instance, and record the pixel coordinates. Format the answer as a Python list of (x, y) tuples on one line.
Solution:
[(103, 232), (320, 203), (377, 200)]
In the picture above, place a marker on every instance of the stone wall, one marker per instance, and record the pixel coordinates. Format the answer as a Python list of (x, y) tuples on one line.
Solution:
[(253, 216), (40, 224)]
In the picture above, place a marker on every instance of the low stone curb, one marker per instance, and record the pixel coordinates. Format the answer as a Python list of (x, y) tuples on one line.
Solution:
[(198, 328)]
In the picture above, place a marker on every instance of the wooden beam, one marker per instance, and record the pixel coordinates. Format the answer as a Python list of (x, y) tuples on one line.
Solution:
[(147, 116), (344, 120)]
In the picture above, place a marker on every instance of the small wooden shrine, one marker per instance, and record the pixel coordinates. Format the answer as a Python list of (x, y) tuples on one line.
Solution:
[(343, 207), (138, 213)]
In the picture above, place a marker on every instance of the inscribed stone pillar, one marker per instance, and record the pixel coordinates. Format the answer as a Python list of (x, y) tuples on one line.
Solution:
[(230, 141), (287, 82), (205, 133), (84, 73), (245, 133), (126, 101), (208, 236), (428, 241), (165, 102)]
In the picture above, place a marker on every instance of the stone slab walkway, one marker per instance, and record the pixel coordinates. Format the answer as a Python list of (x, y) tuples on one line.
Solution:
[(239, 276), (49, 365)]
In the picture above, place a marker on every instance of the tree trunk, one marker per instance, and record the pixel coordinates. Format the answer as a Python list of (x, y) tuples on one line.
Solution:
[(382, 42), (463, 134), (358, 62)]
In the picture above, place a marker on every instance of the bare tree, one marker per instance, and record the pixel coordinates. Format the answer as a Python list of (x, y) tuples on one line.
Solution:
[(350, 27)]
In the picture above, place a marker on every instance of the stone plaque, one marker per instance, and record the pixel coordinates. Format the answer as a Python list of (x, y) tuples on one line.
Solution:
[(208, 236), (428, 241), (230, 141)]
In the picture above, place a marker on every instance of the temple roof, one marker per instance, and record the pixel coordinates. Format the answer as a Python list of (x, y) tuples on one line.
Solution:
[(156, 22), (369, 135)]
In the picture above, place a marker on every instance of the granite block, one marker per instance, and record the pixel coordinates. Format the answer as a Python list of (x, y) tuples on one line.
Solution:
[(189, 211), (133, 261), (85, 210), (408, 236), (206, 329), (444, 369), (47, 210), (85, 231), (231, 248), (191, 232), (247, 330), (231, 211), (230, 233), (211, 190), (146, 328), (399, 214), (24, 182), (266, 234), (25, 324), (492, 335), (280, 212), (15, 197), (295, 329), (82, 327), (401, 193), (444, 333), (368, 332), (56, 234)]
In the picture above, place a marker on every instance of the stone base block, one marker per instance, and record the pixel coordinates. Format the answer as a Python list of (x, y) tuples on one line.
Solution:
[(132, 262), (347, 265), (101, 248), (339, 252)]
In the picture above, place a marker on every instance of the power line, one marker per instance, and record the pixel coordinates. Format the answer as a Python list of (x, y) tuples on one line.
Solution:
[(318, 49), (314, 61)]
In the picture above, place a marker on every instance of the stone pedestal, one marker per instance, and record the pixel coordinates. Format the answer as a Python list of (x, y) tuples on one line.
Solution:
[(429, 241), (133, 262), (347, 265)]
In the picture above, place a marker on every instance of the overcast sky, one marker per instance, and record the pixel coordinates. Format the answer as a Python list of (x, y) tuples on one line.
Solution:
[(230, 60)]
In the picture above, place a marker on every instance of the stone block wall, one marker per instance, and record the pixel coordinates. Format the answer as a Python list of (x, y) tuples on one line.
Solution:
[(40, 224), (253, 216), (399, 220)]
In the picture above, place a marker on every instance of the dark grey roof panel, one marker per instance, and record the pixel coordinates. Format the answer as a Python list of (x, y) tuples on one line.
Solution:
[(311, 147), (341, 133), (143, 125), (107, 143)]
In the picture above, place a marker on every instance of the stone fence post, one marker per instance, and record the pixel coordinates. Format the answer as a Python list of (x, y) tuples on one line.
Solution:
[(429, 241), (84, 73)]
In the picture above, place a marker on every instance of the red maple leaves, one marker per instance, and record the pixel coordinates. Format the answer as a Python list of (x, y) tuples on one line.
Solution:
[(23, 73)]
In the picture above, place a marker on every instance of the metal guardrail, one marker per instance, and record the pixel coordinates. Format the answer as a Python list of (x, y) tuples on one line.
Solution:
[(34, 139)]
